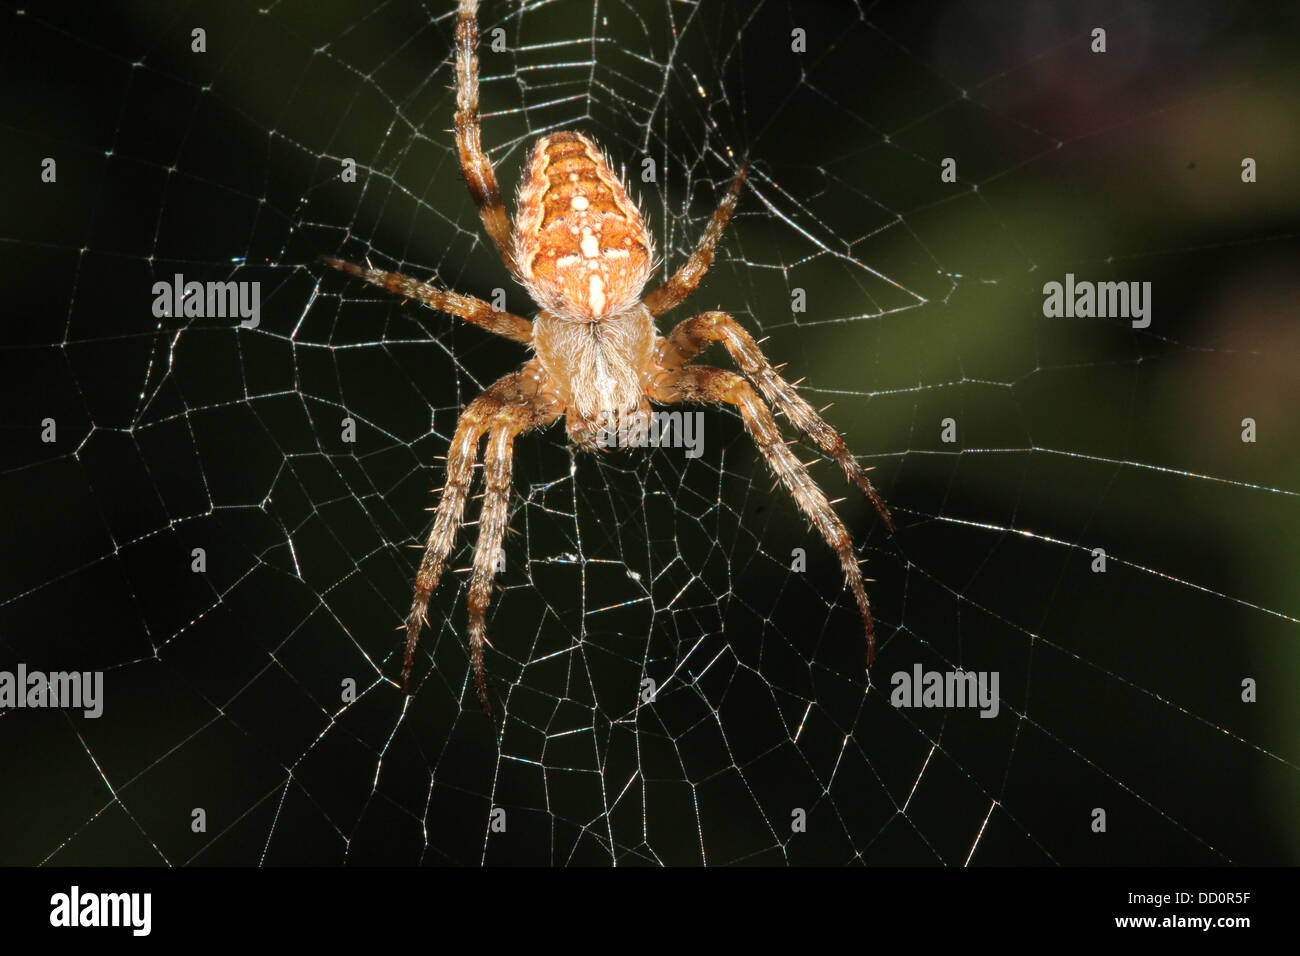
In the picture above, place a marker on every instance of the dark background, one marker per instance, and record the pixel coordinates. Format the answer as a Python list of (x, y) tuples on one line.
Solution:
[(1120, 690)]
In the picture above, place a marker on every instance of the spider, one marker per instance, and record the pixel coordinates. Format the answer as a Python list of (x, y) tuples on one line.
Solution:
[(581, 249)]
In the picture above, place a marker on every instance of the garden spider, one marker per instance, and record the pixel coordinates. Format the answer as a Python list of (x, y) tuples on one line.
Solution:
[(581, 248)]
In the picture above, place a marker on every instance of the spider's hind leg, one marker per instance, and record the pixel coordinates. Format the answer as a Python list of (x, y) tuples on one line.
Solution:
[(497, 467), (700, 383), (693, 335), (513, 404)]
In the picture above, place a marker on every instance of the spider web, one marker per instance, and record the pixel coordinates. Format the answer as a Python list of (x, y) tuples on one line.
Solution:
[(224, 690)]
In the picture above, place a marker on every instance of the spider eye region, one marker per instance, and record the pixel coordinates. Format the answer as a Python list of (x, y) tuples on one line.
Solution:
[(581, 243)]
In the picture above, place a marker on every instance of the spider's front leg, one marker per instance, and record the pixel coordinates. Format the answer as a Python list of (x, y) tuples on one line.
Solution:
[(511, 405), (472, 310), (700, 383), (474, 162), (693, 335)]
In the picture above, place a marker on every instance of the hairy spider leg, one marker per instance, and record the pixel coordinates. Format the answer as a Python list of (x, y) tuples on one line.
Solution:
[(687, 278), (693, 335), (701, 383), (472, 310), (474, 162), (514, 404)]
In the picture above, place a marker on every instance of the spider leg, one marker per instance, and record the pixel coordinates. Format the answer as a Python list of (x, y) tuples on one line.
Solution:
[(516, 401), (700, 383), (497, 466), (685, 280), (477, 167), (693, 335), (472, 310)]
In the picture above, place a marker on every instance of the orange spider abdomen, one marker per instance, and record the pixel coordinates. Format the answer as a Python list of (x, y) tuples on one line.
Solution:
[(580, 242)]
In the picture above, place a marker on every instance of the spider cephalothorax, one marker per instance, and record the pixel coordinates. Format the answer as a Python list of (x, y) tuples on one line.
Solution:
[(581, 248)]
